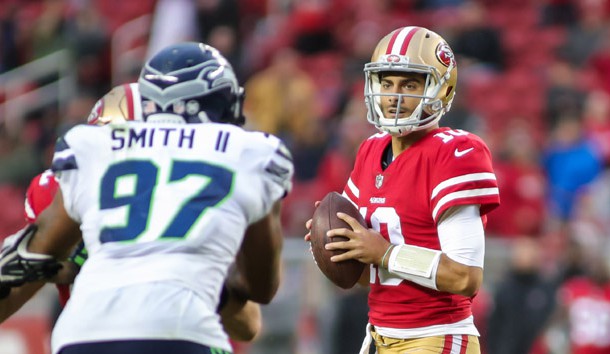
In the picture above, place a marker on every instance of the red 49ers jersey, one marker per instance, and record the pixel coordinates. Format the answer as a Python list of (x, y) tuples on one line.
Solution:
[(404, 202), (39, 195), (588, 307)]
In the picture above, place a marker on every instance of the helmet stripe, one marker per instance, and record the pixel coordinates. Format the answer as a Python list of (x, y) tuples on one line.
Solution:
[(393, 40), (407, 40), (136, 99), (129, 98), (399, 43)]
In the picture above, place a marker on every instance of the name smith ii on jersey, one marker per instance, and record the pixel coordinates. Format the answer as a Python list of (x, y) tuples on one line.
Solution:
[(147, 136)]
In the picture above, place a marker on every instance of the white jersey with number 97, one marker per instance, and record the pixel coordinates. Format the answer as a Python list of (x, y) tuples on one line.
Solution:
[(163, 209)]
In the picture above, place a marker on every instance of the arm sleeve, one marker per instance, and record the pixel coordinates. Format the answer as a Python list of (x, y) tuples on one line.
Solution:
[(462, 236)]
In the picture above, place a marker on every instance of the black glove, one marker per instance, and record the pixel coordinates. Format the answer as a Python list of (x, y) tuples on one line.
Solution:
[(18, 266)]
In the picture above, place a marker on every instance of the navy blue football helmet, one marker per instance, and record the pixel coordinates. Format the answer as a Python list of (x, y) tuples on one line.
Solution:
[(193, 81)]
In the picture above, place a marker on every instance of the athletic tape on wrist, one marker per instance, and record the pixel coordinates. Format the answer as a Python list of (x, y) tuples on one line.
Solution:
[(414, 263)]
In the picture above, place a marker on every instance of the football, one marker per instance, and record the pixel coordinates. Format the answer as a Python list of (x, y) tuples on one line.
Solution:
[(346, 273)]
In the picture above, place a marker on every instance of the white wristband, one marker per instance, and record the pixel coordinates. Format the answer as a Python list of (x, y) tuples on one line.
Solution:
[(417, 264)]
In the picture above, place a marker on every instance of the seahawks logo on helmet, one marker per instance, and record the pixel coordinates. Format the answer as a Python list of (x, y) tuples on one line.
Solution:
[(194, 81)]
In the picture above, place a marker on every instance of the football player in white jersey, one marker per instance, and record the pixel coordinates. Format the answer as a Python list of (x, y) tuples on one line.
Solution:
[(164, 207), (424, 191), (241, 318)]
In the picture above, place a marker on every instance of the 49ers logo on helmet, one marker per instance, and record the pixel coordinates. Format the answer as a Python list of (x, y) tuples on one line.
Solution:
[(96, 112), (393, 58), (445, 54)]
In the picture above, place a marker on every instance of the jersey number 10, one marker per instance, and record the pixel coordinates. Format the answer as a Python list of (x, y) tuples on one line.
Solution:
[(387, 221)]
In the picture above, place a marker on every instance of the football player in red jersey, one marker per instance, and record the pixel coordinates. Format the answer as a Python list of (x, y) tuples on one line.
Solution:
[(584, 302), (424, 191), (117, 105), (39, 195), (241, 318)]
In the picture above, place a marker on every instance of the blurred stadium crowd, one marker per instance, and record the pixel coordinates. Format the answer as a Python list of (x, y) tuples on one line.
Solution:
[(534, 82)]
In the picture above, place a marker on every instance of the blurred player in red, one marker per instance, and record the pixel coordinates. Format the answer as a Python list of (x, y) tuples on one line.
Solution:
[(241, 319), (39, 195), (424, 191), (584, 305), (117, 105)]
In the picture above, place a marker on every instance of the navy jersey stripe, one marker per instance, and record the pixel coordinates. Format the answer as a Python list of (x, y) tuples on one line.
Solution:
[(64, 164), (61, 145), (64, 159), (283, 151)]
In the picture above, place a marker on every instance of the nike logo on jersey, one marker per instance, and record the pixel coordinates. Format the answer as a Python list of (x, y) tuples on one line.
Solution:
[(459, 153)]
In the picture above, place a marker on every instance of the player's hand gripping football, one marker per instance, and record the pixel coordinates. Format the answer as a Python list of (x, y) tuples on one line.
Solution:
[(308, 234), (18, 265), (365, 245)]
